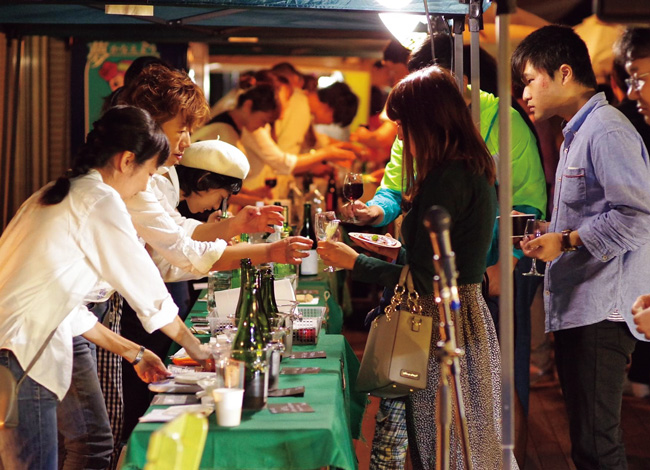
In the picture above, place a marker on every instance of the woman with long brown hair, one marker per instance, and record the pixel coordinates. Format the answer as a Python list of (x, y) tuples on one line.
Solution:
[(447, 164)]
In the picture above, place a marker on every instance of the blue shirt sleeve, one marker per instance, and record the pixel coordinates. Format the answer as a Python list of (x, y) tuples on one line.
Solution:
[(390, 201)]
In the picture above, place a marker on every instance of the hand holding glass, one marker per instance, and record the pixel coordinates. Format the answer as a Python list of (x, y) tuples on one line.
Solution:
[(327, 229), (534, 229)]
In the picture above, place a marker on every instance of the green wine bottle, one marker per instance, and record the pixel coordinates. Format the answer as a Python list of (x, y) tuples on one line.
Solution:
[(264, 314), (244, 273), (249, 346), (268, 292)]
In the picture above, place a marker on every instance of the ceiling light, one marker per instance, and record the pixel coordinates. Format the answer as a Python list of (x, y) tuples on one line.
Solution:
[(249, 40), (130, 10), (409, 29)]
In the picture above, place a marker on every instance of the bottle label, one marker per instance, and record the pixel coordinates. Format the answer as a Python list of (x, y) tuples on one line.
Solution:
[(309, 266)]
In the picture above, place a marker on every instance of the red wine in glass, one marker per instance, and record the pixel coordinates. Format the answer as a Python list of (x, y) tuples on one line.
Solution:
[(271, 182), (352, 191)]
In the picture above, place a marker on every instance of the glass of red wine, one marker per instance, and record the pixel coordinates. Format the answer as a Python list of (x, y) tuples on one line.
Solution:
[(271, 182), (353, 189)]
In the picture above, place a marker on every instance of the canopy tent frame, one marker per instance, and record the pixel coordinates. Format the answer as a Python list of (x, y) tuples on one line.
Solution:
[(213, 20)]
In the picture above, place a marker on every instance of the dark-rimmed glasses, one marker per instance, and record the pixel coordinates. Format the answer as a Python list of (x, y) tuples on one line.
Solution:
[(635, 82)]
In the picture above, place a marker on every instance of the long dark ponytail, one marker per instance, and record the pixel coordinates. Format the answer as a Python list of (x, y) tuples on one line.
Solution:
[(122, 128)]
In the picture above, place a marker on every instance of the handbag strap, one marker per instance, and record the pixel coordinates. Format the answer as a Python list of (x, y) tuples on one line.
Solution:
[(38, 354), (398, 294), (404, 287), (412, 296)]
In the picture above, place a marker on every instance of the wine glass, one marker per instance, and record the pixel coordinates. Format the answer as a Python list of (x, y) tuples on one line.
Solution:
[(271, 182), (353, 189), (288, 311), (534, 229), (327, 229)]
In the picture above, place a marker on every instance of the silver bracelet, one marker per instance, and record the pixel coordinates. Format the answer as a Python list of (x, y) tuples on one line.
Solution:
[(138, 357)]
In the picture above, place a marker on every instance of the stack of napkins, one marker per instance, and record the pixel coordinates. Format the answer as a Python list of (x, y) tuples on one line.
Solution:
[(163, 415)]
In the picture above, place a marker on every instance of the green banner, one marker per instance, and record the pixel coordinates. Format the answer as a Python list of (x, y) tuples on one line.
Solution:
[(105, 67)]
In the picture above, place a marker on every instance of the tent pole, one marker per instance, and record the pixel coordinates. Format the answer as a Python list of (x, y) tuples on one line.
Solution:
[(506, 315), (475, 26), (459, 27)]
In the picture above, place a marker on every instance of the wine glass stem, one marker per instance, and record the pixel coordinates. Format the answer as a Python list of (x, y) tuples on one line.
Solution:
[(354, 217)]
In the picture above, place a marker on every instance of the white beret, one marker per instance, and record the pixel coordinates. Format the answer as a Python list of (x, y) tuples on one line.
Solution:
[(218, 157)]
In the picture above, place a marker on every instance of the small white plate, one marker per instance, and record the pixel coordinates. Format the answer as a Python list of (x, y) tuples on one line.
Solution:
[(192, 378), (374, 239)]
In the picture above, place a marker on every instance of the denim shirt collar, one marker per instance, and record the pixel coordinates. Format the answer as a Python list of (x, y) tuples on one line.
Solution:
[(573, 126)]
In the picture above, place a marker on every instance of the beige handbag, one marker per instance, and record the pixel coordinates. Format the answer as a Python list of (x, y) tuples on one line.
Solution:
[(9, 387), (395, 359)]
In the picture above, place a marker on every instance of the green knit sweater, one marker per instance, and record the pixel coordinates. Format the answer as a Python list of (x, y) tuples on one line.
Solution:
[(471, 203)]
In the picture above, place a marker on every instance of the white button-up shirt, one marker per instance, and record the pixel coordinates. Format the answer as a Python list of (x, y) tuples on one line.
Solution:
[(168, 234), (54, 257)]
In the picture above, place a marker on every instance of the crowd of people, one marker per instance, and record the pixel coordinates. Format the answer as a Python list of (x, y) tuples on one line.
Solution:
[(114, 250)]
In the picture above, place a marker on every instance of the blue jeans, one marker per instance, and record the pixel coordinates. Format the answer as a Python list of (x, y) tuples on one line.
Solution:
[(33, 444), (86, 440)]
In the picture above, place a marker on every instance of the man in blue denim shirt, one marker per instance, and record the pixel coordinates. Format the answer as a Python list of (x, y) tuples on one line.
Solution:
[(596, 245)]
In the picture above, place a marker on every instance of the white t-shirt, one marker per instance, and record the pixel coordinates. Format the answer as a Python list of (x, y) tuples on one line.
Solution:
[(291, 129), (53, 259), (262, 150)]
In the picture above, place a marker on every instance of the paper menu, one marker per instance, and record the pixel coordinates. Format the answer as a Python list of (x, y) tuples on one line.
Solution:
[(226, 300)]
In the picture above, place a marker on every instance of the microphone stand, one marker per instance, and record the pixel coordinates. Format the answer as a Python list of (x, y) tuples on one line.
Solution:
[(448, 353)]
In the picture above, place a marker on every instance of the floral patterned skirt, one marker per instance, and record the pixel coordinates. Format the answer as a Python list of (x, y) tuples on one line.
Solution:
[(480, 381)]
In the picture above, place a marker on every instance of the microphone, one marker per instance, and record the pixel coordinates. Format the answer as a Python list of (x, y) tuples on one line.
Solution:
[(437, 221)]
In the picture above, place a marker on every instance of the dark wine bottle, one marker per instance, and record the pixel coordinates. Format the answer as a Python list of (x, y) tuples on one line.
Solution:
[(309, 266), (265, 313), (270, 308), (244, 272), (268, 293), (249, 346), (330, 195)]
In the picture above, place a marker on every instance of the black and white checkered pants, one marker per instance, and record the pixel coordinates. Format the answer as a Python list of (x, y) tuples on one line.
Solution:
[(109, 370)]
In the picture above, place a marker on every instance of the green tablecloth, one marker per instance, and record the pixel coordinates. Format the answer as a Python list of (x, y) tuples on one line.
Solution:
[(303, 441)]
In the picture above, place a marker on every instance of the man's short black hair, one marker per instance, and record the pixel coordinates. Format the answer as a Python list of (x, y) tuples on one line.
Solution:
[(634, 44), (422, 56), (396, 53), (548, 48), (342, 100)]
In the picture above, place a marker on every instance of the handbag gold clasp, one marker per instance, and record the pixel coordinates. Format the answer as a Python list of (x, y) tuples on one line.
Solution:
[(416, 323)]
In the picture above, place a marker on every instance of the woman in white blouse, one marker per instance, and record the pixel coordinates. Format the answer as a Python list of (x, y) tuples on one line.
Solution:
[(72, 242)]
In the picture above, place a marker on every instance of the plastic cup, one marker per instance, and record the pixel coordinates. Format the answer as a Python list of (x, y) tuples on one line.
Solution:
[(228, 405)]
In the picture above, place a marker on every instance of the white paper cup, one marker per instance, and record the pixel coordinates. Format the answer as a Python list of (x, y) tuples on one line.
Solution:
[(227, 405)]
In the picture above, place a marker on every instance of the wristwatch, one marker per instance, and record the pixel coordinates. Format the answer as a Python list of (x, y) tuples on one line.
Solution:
[(138, 357), (566, 241)]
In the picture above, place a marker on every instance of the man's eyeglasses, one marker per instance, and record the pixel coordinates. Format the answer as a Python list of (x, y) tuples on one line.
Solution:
[(635, 83)]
